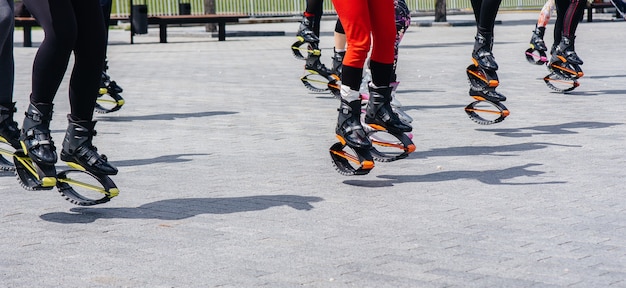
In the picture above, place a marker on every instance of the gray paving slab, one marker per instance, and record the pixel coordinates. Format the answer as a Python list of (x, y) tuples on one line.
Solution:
[(226, 180)]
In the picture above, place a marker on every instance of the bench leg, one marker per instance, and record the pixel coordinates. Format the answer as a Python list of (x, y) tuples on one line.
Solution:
[(163, 32), (28, 41), (589, 12), (221, 32)]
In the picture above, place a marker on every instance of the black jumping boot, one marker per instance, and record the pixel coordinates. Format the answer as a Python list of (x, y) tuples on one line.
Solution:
[(536, 40), (108, 84), (380, 113), (305, 31), (9, 133), (482, 54), (79, 152), (565, 50), (349, 125), (338, 62), (313, 63), (35, 136)]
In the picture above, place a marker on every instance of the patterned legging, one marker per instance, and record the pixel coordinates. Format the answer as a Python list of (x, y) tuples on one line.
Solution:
[(568, 14)]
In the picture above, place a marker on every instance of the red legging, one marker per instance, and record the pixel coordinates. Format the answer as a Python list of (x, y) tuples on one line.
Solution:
[(364, 20)]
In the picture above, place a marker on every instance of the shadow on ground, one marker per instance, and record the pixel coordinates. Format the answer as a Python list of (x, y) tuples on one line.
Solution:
[(496, 150), (174, 158), (177, 209), (560, 129), (163, 116), (490, 177)]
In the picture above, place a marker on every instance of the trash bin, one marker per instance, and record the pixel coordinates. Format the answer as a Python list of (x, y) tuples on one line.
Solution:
[(184, 8), (140, 19)]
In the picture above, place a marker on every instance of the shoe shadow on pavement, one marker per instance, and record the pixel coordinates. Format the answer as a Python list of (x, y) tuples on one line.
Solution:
[(599, 92), (605, 76), (174, 158), (489, 177), (163, 116), (428, 107), (498, 150), (183, 208), (560, 129), (594, 93)]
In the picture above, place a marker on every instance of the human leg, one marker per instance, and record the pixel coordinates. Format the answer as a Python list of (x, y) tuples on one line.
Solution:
[(340, 47), (482, 73), (106, 14), (379, 111), (7, 66), (536, 40), (9, 132), (485, 12), (89, 50), (49, 67), (309, 29), (403, 22), (569, 13), (358, 29)]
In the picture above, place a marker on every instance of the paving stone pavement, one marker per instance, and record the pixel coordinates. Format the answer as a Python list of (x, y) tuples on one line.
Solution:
[(226, 180)]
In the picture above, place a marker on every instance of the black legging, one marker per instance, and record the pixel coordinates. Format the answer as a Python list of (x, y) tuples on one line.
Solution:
[(7, 67), (70, 26), (106, 13), (314, 9), (568, 14), (485, 12), (339, 27)]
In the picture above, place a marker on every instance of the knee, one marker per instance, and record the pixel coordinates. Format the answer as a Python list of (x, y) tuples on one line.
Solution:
[(62, 40), (360, 52), (356, 56)]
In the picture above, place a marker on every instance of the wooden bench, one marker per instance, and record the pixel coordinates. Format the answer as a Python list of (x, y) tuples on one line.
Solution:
[(596, 4), (27, 24), (221, 20)]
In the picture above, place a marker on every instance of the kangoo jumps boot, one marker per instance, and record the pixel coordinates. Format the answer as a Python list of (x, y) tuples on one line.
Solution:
[(565, 52), (536, 40), (79, 152), (349, 125), (482, 55), (380, 113), (338, 62), (305, 31), (35, 137), (313, 63), (106, 82), (9, 132)]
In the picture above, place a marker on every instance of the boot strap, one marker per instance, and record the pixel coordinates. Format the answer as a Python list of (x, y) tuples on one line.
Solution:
[(350, 125), (90, 155), (37, 138), (34, 116), (350, 128), (7, 111)]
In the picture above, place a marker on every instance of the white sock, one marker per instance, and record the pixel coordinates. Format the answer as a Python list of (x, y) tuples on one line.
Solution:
[(348, 94)]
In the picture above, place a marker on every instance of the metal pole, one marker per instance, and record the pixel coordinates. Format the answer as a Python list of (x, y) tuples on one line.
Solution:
[(132, 28)]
